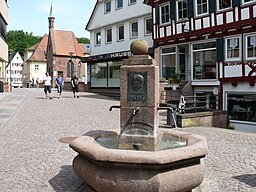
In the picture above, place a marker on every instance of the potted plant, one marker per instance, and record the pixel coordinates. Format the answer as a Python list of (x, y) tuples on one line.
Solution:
[(174, 80)]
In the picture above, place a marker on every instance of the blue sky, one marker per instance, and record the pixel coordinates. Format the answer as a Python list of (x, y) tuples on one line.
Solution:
[(31, 16)]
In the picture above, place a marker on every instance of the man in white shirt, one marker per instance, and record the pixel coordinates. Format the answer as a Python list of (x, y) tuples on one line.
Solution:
[(47, 85)]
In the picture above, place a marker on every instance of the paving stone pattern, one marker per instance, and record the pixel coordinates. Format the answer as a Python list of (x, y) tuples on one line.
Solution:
[(33, 159)]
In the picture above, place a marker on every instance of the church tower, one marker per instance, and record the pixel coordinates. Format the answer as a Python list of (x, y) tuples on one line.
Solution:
[(51, 19)]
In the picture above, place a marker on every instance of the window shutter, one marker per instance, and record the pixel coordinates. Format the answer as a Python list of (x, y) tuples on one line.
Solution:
[(236, 3), (212, 6), (173, 9), (157, 14), (190, 9), (220, 49)]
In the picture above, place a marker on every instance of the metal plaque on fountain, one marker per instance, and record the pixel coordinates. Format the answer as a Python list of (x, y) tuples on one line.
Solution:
[(137, 86)]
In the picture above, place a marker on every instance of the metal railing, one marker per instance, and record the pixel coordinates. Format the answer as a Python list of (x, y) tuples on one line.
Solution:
[(194, 104), (187, 103)]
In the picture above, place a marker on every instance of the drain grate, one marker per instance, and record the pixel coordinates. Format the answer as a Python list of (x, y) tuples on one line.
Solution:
[(67, 139)]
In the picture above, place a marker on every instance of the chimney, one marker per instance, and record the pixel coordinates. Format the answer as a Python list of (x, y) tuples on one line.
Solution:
[(51, 19)]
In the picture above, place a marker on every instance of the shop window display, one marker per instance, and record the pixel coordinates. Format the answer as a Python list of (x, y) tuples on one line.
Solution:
[(242, 107)]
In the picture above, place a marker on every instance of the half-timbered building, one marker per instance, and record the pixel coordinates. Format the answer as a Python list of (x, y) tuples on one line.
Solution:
[(212, 45)]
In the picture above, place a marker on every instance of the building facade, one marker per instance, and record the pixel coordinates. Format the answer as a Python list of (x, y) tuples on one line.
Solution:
[(14, 70), (34, 67), (64, 53), (3, 43), (212, 45), (113, 25)]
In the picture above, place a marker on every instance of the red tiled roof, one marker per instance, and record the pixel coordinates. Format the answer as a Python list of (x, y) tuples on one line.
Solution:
[(66, 43), (39, 50), (33, 47)]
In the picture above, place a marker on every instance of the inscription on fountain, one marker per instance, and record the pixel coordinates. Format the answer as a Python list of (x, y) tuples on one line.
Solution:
[(137, 86)]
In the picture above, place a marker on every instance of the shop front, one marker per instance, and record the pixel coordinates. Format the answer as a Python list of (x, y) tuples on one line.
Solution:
[(104, 69)]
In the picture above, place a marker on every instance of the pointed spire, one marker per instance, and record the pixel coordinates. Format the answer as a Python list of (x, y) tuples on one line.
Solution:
[(51, 11), (51, 19)]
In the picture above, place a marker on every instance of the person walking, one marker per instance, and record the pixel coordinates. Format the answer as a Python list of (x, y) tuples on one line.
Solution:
[(74, 83), (59, 84), (47, 85), (37, 82)]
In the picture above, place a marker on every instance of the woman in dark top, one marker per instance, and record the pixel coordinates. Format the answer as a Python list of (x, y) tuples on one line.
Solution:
[(74, 84)]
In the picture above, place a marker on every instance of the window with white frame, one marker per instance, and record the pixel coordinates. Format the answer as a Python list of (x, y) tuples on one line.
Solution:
[(107, 6), (182, 9), (241, 106), (98, 38), (201, 7), (120, 33), (168, 66), (36, 67), (134, 30), (248, 1), (165, 14), (119, 4), (108, 35), (132, 2), (148, 26), (233, 48), (223, 4), (204, 60), (250, 44)]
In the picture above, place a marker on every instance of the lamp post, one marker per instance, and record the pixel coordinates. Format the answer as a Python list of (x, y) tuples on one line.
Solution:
[(78, 69), (10, 63), (71, 64)]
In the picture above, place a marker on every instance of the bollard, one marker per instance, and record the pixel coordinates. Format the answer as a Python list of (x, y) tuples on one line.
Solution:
[(171, 117)]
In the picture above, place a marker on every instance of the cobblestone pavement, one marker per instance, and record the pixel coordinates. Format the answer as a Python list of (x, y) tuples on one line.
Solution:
[(33, 159)]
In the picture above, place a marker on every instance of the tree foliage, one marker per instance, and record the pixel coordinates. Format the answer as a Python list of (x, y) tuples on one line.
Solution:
[(83, 40), (19, 41)]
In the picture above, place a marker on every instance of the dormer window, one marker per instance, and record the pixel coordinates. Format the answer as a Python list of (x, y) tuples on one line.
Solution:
[(107, 6), (201, 7), (182, 9)]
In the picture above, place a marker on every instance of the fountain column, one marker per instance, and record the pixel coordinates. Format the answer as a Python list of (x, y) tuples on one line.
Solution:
[(139, 90)]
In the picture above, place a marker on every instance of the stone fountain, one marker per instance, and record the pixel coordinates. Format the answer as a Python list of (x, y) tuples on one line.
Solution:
[(141, 157)]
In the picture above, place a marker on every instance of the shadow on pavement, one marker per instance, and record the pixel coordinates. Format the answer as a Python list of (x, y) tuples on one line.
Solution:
[(249, 179), (104, 97), (67, 180)]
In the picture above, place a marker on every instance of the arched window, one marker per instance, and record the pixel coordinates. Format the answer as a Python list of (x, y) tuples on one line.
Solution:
[(70, 68)]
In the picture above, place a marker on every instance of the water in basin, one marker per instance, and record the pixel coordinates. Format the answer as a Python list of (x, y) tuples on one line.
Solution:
[(165, 142)]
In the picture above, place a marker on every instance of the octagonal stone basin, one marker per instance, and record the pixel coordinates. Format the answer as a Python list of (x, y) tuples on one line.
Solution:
[(170, 170)]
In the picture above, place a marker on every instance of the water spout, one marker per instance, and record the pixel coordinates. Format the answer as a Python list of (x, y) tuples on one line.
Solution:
[(114, 106), (172, 113), (135, 111), (137, 146)]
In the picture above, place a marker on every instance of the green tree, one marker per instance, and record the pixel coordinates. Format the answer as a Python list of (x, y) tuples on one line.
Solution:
[(83, 40), (20, 41)]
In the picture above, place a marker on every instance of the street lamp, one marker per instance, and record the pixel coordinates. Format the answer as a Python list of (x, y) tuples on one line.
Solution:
[(78, 69), (10, 63), (71, 66)]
